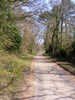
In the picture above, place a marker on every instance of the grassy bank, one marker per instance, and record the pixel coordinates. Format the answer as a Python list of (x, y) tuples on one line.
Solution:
[(12, 72)]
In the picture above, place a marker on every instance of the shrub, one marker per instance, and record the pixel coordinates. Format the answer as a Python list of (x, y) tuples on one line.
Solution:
[(11, 39)]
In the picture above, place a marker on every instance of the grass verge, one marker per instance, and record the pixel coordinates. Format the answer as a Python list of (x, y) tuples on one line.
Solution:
[(62, 62), (12, 71)]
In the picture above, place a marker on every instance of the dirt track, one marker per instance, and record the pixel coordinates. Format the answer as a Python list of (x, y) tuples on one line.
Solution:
[(51, 82)]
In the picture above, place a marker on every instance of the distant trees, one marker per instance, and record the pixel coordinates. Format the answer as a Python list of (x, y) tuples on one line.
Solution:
[(28, 44), (60, 24)]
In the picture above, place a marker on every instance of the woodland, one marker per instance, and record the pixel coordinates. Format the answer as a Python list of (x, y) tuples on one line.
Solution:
[(19, 43)]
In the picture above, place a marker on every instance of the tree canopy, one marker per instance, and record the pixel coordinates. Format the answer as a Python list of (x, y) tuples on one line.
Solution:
[(59, 40)]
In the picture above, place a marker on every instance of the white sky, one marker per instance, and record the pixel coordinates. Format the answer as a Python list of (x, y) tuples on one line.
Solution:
[(73, 1)]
